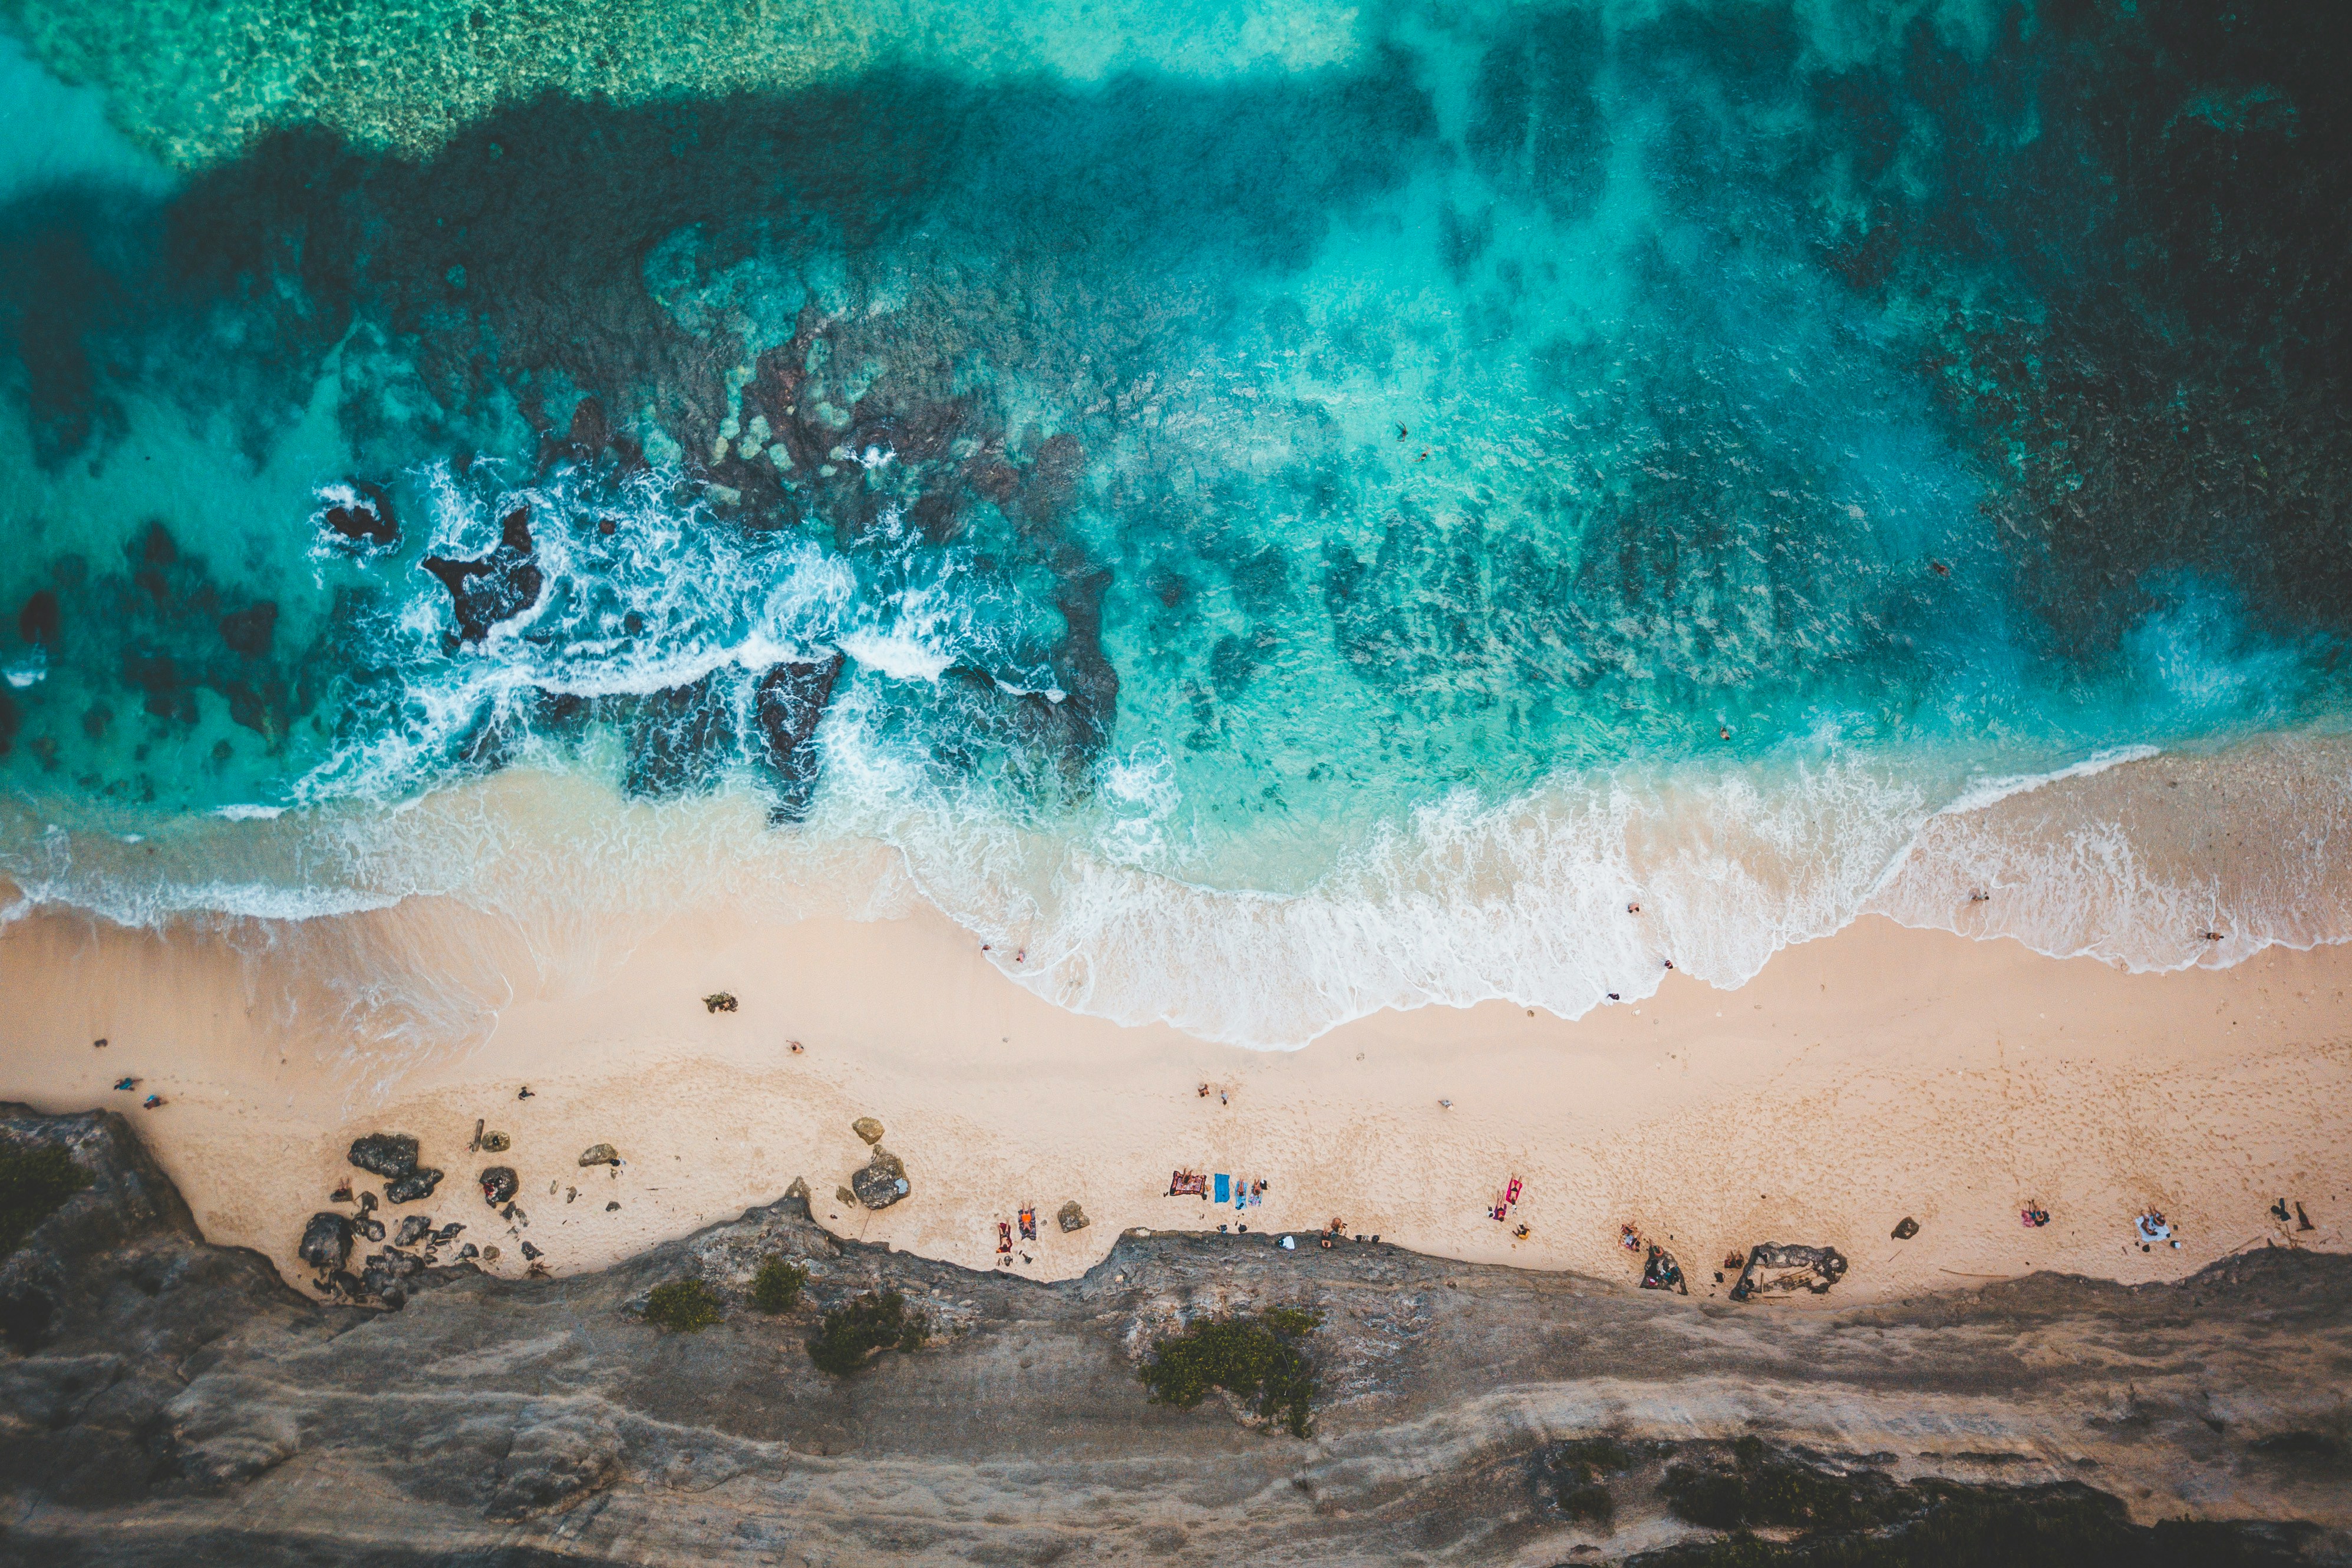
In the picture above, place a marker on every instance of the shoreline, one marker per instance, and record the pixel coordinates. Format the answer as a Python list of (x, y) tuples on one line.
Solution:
[(1874, 1074)]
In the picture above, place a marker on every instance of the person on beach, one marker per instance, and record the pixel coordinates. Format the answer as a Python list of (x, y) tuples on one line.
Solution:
[(126, 1085)]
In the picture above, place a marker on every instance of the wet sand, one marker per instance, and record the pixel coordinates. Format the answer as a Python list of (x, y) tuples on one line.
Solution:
[(1877, 1073)]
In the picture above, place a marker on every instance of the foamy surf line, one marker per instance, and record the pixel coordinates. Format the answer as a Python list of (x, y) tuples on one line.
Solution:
[(1992, 791), (1569, 900)]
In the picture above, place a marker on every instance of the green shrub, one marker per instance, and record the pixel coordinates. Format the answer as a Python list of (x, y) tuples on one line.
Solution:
[(777, 1286), (683, 1306), (34, 1184), (1259, 1360), (858, 1331)]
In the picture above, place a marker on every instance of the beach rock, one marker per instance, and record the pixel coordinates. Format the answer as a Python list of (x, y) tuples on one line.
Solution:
[(447, 1233), (344, 1283), (600, 1155), (415, 1184), (799, 1189), (385, 1153), (867, 1128), (412, 1229), (367, 1203), (370, 1229), (881, 1181), (844, 1195), (720, 1002), (1071, 1217), (496, 1143), (499, 1185), (1773, 1265), (531, 1252), (468, 1251), (326, 1241), (1907, 1229)]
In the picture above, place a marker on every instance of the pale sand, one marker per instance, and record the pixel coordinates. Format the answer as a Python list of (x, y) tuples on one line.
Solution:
[(1880, 1072)]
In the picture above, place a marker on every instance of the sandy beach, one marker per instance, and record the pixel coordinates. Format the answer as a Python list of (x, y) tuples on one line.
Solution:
[(1875, 1074)]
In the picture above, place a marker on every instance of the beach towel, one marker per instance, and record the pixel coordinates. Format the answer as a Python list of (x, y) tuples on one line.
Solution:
[(1028, 1225), (1224, 1186), (1185, 1184)]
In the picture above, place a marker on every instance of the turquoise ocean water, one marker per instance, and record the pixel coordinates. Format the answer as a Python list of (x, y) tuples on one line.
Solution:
[(1266, 511)]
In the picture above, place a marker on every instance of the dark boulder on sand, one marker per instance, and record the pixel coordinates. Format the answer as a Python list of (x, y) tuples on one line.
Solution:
[(326, 1241), (881, 1181), (1774, 1266), (499, 1184), (412, 1229), (415, 1184), (385, 1153)]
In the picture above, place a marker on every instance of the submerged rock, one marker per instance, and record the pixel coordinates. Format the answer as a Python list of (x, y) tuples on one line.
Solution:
[(867, 1128), (499, 1184), (600, 1155), (415, 1184), (326, 1241), (385, 1153), (881, 1181)]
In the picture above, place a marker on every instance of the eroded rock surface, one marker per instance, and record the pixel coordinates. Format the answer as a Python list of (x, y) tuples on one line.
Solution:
[(179, 1403)]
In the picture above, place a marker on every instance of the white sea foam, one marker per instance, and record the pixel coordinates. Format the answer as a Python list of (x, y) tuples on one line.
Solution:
[(1463, 900)]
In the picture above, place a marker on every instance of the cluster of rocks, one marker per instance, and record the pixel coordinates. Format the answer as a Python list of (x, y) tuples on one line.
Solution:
[(417, 1245)]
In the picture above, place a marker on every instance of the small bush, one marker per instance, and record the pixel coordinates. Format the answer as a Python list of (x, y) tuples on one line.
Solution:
[(855, 1333), (1259, 1361), (777, 1286), (34, 1184), (683, 1306)]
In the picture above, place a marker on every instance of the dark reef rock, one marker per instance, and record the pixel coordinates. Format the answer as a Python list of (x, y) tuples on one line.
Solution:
[(789, 700), (499, 1185), (412, 1229), (179, 1403), (326, 1241), (40, 622), (416, 1185), (385, 1153), (500, 586), (365, 519)]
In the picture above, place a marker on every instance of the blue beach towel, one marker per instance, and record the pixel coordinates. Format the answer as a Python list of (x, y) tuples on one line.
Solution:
[(1225, 1187)]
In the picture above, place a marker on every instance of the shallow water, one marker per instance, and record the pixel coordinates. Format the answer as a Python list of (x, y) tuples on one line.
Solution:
[(1266, 512)]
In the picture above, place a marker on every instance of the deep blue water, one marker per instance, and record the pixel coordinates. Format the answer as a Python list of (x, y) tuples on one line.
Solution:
[(1503, 466)]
